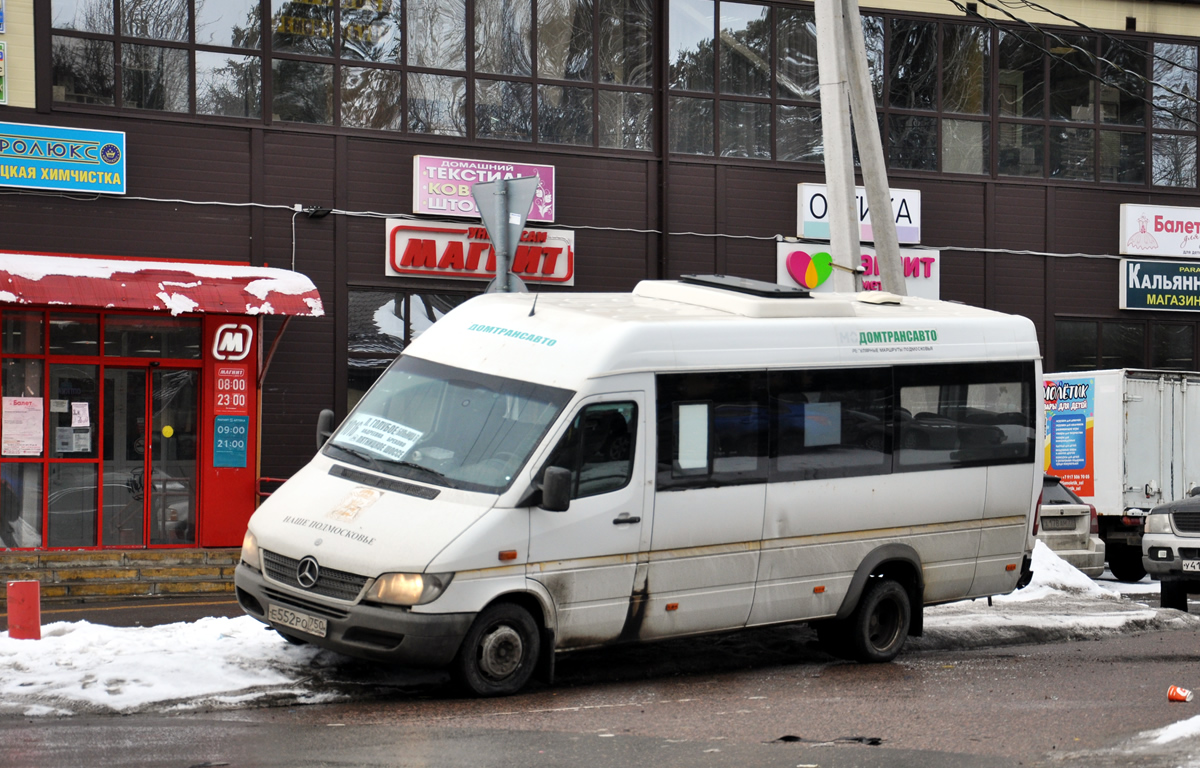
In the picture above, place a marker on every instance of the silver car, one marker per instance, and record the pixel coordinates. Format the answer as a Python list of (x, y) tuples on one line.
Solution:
[(1067, 524)]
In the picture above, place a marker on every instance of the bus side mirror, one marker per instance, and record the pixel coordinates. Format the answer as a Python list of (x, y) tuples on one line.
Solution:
[(556, 489), (324, 427)]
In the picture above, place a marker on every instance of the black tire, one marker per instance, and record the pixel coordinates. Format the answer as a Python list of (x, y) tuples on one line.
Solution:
[(500, 651), (1173, 594), (1125, 562), (879, 625)]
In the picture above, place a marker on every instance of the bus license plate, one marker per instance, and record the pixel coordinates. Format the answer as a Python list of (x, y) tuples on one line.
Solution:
[(286, 617), (1191, 566)]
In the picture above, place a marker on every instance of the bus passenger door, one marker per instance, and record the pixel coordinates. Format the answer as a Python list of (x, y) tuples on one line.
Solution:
[(709, 502), (587, 556)]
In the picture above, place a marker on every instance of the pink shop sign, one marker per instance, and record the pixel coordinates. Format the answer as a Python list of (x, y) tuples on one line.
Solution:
[(442, 185)]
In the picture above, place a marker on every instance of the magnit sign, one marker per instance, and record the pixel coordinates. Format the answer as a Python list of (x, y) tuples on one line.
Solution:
[(233, 341), (451, 249), (809, 265)]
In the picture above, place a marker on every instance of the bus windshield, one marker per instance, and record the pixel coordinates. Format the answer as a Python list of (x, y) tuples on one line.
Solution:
[(447, 426)]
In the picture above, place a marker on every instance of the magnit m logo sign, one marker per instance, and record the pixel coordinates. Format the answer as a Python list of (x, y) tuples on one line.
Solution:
[(233, 342)]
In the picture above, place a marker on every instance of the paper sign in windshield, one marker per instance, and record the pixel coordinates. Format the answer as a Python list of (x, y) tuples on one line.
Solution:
[(381, 436)]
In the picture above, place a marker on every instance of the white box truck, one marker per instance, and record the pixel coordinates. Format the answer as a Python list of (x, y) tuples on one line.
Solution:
[(1119, 439)]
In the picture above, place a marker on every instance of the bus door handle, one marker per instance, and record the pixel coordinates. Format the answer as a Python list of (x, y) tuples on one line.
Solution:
[(625, 519)]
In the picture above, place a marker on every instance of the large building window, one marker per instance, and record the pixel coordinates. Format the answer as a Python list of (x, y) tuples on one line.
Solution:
[(466, 68), (953, 97), (381, 325), (1082, 345)]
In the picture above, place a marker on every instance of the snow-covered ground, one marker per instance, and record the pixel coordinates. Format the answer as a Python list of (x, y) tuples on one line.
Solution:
[(79, 667)]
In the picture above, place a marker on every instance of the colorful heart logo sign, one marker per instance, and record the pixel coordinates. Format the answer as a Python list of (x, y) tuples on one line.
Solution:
[(809, 271)]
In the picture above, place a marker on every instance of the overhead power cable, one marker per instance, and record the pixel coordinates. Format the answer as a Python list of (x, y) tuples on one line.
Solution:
[(385, 215)]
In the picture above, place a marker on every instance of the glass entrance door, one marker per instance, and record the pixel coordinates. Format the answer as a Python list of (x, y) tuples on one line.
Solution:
[(151, 416)]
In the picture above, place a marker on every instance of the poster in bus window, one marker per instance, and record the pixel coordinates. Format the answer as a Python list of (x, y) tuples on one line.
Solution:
[(1070, 417)]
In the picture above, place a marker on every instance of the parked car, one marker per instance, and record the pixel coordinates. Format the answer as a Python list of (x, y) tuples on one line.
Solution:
[(1171, 549), (1067, 524)]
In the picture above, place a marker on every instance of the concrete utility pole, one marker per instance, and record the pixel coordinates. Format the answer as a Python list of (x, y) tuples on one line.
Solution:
[(845, 84)]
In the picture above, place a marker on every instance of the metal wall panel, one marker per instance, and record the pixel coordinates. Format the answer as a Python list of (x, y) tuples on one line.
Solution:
[(299, 168)]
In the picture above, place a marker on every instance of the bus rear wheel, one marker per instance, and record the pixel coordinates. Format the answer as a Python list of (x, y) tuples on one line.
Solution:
[(879, 625)]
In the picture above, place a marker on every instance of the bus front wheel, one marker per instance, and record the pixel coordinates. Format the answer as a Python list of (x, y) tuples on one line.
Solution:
[(498, 655)]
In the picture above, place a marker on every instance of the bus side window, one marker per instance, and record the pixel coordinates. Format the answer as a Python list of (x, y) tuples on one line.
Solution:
[(598, 448), (830, 423), (965, 415), (712, 429)]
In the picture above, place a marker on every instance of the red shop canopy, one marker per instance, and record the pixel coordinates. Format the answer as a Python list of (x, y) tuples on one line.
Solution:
[(161, 286)]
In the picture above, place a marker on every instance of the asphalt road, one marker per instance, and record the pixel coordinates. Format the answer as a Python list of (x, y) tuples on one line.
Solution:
[(759, 698), (762, 698)]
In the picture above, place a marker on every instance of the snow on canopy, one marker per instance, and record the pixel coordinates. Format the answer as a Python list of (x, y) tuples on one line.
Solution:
[(162, 286)]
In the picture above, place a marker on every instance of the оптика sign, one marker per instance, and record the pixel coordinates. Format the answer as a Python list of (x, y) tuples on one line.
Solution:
[(1170, 285)]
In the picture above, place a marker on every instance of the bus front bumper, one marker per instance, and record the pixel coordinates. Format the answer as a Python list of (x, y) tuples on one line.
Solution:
[(375, 632)]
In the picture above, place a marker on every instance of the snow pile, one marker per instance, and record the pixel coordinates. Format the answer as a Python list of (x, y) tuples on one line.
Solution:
[(1060, 603), (1181, 730), (79, 666), (1054, 576)]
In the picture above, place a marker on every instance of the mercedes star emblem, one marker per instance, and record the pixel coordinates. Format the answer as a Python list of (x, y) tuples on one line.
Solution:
[(307, 572)]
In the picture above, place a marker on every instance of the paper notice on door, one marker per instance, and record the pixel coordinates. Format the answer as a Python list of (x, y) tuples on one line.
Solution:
[(73, 439), (79, 415), (22, 426), (60, 406)]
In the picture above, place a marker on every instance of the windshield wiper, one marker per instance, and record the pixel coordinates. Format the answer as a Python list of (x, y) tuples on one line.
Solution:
[(371, 460), (412, 465), (377, 464)]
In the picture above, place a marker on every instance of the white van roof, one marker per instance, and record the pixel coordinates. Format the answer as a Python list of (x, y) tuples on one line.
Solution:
[(563, 339)]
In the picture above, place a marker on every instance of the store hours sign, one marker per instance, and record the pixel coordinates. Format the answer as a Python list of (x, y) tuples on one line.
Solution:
[(230, 436), (231, 425)]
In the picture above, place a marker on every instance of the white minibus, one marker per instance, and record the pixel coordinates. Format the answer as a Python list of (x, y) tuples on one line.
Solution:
[(544, 473)]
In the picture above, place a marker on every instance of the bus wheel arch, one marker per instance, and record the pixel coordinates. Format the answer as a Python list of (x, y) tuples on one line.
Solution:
[(899, 563)]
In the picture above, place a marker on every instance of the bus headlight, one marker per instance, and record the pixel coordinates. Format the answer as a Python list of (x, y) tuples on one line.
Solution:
[(1160, 523), (250, 555), (409, 588)]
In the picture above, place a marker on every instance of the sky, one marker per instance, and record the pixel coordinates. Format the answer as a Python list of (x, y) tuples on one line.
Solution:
[(81, 668)]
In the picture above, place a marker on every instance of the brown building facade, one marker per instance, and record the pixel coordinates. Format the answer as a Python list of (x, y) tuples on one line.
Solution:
[(283, 134)]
